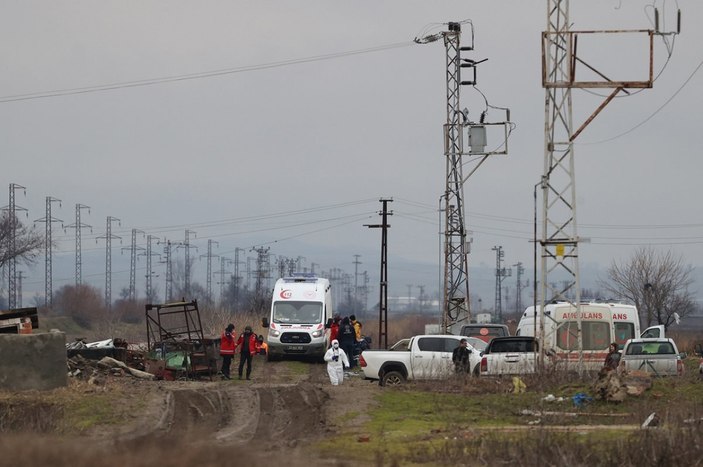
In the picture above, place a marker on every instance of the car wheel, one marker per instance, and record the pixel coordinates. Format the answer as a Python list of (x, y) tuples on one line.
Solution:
[(392, 378)]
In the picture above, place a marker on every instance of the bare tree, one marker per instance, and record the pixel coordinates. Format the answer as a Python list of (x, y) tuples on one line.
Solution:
[(657, 283), (28, 242)]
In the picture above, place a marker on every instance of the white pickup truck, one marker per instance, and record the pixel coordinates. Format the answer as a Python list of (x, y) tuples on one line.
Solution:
[(427, 357), (658, 356), (509, 356)]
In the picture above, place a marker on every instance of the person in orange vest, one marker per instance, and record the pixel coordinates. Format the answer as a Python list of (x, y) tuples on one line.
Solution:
[(227, 350), (248, 343), (262, 348)]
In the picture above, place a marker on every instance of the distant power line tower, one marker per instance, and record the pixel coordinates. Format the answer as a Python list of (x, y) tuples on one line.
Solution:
[(79, 226), (12, 210), (223, 277), (108, 258), (262, 273), (356, 278), (48, 219), (148, 287), (519, 286), (133, 263), (187, 246), (168, 289), (501, 273), (208, 280), (20, 276)]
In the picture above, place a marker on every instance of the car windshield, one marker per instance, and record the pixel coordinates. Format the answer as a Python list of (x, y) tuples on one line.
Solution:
[(297, 312), (650, 348)]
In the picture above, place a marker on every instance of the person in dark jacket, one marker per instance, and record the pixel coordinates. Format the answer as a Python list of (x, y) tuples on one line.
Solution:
[(346, 337), (248, 343), (227, 350), (613, 358), (460, 357)]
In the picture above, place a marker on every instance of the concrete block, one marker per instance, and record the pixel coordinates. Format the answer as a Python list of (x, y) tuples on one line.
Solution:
[(33, 361)]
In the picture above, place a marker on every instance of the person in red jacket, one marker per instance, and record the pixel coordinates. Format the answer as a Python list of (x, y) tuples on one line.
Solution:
[(249, 345), (227, 350), (334, 328)]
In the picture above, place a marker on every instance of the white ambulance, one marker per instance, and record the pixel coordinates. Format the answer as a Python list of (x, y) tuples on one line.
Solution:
[(601, 324), (301, 314)]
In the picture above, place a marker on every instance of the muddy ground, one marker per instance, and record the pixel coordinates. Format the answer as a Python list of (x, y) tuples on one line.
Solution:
[(277, 416)]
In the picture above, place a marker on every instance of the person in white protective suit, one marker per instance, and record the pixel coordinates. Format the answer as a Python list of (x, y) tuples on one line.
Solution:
[(337, 360)]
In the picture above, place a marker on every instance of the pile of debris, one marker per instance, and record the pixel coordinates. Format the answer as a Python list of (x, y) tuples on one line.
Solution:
[(612, 387), (96, 371)]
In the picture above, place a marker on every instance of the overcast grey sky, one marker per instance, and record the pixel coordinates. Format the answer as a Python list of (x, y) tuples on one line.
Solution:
[(235, 157)]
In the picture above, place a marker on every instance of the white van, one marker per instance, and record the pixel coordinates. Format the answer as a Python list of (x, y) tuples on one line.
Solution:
[(301, 314), (601, 324)]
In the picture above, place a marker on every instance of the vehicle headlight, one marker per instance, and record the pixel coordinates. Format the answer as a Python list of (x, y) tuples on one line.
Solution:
[(318, 333), (275, 332)]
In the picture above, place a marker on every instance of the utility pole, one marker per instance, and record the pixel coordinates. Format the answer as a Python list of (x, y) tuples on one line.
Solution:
[(133, 264), (48, 219), (79, 226), (383, 282), (501, 273), (12, 209), (108, 258), (457, 305), (208, 280), (561, 66)]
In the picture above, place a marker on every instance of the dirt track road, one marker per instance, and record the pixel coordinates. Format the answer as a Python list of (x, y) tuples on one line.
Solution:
[(278, 414), (285, 405)]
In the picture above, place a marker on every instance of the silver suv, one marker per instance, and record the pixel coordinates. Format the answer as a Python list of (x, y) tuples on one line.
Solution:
[(658, 356)]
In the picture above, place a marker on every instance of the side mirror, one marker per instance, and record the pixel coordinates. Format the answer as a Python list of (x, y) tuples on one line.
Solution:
[(683, 355), (328, 324), (264, 322)]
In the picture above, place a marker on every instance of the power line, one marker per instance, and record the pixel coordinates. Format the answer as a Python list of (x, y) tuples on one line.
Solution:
[(653, 113), (198, 75)]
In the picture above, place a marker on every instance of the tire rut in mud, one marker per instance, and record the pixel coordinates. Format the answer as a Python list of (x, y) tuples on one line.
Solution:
[(241, 414)]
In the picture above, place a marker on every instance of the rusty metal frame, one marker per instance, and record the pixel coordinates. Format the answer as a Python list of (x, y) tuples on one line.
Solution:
[(572, 56)]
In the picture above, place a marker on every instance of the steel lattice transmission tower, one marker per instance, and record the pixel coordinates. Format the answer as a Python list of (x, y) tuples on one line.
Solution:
[(133, 263), (12, 209), (501, 273), (149, 289), (560, 67), (187, 246), (79, 226), (48, 219), (208, 280), (108, 258)]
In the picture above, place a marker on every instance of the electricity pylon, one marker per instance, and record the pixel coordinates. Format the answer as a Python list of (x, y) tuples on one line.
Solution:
[(108, 237), (79, 226), (560, 67), (48, 219)]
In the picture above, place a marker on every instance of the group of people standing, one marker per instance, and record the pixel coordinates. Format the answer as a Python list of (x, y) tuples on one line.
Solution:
[(247, 345), (345, 337)]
